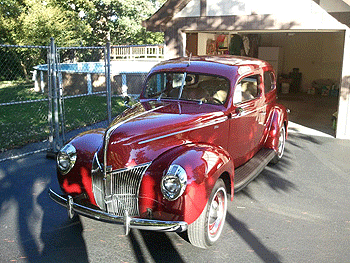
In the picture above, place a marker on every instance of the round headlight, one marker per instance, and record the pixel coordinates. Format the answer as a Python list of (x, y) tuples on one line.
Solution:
[(174, 182), (66, 158)]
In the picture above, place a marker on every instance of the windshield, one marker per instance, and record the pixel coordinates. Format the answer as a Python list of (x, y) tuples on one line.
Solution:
[(187, 86)]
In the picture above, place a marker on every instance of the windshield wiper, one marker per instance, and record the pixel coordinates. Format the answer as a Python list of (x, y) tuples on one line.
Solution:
[(160, 96)]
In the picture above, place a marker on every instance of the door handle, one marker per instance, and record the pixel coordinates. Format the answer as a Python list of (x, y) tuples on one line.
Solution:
[(239, 111)]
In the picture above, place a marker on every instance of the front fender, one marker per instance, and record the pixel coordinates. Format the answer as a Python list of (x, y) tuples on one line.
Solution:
[(78, 180), (204, 164)]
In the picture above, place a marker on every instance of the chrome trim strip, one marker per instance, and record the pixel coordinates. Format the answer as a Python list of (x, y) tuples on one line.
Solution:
[(138, 223), (244, 113), (98, 161), (214, 122), (113, 128), (131, 168)]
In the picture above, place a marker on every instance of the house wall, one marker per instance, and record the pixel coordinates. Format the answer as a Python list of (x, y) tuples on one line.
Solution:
[(192, 9), (228, 7), (334, 5), (339, 9), (343, 126)]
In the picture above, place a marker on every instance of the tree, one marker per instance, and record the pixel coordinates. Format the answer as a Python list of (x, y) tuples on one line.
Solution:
[(118, 21), (33, 22), (71, 23), (9, 11)]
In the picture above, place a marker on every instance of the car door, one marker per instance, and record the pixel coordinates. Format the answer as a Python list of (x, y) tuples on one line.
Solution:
[(247, 119)]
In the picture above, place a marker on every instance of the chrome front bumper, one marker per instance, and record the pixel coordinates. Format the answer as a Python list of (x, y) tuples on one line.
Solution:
[(126, 221)]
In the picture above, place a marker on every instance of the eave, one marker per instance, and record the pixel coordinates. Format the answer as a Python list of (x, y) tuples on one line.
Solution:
[(164, 15)]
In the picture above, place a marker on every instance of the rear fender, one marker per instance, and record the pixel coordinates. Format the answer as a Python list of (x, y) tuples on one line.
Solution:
[(204, 164), (279, 118)]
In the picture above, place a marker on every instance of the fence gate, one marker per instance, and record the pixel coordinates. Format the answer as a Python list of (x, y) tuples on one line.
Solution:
[(81, 97)]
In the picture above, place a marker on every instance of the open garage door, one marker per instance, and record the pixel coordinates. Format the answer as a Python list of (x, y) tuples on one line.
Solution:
[(308, 65)]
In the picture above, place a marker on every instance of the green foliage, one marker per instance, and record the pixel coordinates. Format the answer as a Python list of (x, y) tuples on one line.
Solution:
[(117, 21), (16, 63), (42, 21), (70, 23), (9, 11), (33, 22), (77, 22)]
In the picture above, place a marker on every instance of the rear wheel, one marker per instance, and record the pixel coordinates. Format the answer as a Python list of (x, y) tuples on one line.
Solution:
[(207, 228), (281, 145)]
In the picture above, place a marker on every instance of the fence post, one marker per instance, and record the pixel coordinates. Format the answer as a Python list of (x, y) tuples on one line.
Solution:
[(108, 81), (50, 153), (53, 102), (60, 97), (124, 85)]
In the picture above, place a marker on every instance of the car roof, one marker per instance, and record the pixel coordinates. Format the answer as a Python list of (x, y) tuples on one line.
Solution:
[(221, 65)]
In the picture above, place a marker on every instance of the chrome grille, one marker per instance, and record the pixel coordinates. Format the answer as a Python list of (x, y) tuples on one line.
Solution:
[(119, 191)]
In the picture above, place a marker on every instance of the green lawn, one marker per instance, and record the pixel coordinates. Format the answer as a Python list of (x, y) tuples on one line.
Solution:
[(28, 122)]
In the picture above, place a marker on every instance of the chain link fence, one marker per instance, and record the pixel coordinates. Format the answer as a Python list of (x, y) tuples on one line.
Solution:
[(23, 108), (48, 94)]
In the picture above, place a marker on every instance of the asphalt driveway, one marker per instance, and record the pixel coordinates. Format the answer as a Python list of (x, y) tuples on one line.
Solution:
[(295, 211)]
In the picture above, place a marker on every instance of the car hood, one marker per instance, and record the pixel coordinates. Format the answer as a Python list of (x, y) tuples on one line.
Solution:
[(150, 128)]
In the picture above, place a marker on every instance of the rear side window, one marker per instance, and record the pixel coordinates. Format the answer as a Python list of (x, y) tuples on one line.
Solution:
[(247, 89), (269, 81)]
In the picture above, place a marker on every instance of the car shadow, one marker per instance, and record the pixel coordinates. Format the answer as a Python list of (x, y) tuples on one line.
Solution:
[(294, 136), (158, 245), (39, 227), (271, 176), (253, 241)]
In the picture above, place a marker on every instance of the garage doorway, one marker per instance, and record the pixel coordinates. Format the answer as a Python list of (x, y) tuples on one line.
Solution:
[(308, 65)]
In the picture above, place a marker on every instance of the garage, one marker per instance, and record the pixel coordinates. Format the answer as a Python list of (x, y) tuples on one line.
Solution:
[(305, 42), (308, 65)]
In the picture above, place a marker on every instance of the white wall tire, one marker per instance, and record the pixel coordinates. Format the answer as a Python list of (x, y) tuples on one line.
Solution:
[(206, 230)]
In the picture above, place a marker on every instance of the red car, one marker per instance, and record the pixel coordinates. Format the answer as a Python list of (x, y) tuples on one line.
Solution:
[(204, 128)]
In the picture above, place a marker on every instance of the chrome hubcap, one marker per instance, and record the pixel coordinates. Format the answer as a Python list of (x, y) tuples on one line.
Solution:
[(217, 213), (281, 142)]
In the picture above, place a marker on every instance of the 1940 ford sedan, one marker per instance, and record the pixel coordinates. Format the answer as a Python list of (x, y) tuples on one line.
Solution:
[(203, 128)]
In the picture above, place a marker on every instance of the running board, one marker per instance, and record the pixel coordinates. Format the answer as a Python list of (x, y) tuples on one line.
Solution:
[(251, 169)]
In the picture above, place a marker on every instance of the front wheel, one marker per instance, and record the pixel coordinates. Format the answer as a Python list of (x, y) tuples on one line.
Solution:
[(281, 145), (207, 228)]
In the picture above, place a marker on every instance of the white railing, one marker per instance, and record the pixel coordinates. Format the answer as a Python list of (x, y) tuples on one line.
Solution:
[(143, 52)]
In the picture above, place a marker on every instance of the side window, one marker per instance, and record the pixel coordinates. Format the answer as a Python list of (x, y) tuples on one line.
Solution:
[(247, 89), (269, 81)]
